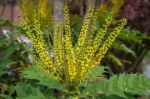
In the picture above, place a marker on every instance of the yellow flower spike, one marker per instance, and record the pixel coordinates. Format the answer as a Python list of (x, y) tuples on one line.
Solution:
[(28, 7), (75, 97), (84, 31), (58, 47), (43, 7), (43, 10), (40, 45), (111, 38), (85, 39), (45, 13), (36, 36), (98, 38), (71, 61)]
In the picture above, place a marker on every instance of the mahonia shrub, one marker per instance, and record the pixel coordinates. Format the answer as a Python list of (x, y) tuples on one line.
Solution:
[(59, 59)]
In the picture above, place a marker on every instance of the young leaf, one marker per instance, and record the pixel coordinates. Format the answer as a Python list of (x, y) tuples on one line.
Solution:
[(97, 71), (10, 50), (135, 84)]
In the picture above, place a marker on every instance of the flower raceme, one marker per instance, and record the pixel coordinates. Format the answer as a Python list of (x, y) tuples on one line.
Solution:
[(70, 64)]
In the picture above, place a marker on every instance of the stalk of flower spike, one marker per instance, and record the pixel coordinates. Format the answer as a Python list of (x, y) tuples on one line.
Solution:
[(71, 72), (58, 47)]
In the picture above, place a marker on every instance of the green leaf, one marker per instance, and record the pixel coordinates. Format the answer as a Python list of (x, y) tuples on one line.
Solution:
[(127, 50), (2, 41), (26, 91), (36, 97), (131, 36), (10, 50), (120, 85), (6, 62), (97, 71), (36, 74), (115, 59)]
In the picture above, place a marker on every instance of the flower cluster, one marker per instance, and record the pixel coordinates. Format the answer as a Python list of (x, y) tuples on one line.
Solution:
[(70, 64)]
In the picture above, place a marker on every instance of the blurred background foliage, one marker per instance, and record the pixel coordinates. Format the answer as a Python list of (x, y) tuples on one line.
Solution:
[(129, 53)]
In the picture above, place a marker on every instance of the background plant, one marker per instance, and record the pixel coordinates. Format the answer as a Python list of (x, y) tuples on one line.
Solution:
[(13, 57)]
